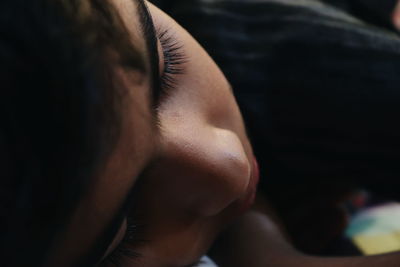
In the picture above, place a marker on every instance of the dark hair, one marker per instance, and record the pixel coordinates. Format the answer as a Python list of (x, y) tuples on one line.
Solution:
[(59, 116)]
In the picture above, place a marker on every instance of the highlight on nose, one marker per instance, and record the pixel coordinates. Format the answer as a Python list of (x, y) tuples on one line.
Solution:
[(224, 168), (233, 160)]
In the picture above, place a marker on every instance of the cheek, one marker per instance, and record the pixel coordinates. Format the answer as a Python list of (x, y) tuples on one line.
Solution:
[(203, 90)]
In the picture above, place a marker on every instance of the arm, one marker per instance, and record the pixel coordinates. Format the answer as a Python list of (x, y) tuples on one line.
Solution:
[(257, 240)]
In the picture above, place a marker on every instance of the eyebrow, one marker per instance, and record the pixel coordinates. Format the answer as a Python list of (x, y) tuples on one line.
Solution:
[(149, 34)]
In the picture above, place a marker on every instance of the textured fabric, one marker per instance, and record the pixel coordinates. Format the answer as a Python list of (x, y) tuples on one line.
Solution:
[(378, 12), (319, 88)]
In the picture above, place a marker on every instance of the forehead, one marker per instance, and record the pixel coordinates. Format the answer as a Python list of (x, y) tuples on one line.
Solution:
[(135, 147), (128, 12)]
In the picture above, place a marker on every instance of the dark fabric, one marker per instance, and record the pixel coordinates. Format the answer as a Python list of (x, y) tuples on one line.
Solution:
[(378, 12), (318, 87)]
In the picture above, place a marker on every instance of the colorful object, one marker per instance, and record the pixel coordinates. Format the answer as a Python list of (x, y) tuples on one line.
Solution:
[(376, 230)]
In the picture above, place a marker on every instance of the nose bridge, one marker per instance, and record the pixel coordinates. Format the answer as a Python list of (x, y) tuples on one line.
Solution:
[(207, 145)]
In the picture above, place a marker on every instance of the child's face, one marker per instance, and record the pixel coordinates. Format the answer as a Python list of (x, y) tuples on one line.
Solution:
[(189, 159)]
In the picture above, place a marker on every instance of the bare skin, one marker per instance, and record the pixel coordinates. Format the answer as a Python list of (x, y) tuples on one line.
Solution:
[(258, 239), (196, 170), (396, 16)]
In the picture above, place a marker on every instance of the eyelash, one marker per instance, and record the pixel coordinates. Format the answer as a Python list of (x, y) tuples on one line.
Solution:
[(174, 60), (122, 250)]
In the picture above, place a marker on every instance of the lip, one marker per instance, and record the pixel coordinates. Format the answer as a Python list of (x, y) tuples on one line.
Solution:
[(248, 200)]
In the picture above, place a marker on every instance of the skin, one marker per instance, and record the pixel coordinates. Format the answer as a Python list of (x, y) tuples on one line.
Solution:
[(245, 244), (196, 166), (396, 16)]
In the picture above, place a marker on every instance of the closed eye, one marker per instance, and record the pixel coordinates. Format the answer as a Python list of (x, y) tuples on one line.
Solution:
[(124, 249), (174, 60)]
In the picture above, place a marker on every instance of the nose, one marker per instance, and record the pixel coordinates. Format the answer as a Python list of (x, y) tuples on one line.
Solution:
[(206, 168)]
